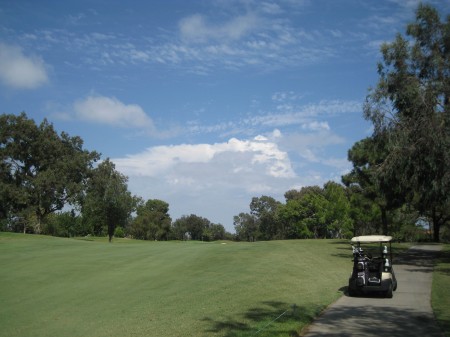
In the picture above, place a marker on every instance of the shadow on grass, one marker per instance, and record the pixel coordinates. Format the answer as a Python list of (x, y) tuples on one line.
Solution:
[(270, 318)]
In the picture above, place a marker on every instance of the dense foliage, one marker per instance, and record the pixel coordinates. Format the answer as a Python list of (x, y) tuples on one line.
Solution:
[(41, 171), (410, 111)]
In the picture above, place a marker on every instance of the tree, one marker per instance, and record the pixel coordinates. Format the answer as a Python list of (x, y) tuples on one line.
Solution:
[(195, 227), (364, 212), (41, 171), (313, 210), (339, 221), (367, 156), (152, 221), (214, 232), (264, 209), (411, 105), (65, 224), (298, 194), (290, 217), (179, 229), (107, 202), (246, 226)]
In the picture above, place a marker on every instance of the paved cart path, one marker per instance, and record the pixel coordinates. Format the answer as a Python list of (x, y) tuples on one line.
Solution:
[(408, 313)]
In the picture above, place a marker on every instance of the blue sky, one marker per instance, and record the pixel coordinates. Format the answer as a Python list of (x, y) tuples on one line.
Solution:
[(202, 104)]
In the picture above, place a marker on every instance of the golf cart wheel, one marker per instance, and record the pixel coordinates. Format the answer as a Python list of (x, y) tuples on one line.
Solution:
[(352, 292), (389, 291)]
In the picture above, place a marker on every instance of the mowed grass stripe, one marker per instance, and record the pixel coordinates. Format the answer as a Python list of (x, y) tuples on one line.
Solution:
[(66, 287)]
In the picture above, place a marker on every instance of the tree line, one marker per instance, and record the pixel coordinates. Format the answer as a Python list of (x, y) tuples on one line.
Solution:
[(43, 173), (400, 180)]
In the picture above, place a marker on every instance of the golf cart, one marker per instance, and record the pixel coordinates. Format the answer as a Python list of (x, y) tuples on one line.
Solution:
[(372, 266)]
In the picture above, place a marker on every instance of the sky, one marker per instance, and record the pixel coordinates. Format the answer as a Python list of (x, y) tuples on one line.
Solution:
[(204, 104)]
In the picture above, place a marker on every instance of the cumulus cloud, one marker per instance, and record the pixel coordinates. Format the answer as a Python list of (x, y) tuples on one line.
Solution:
[(111, 111), (221, 160), (218, 180), (213, 180), (19, 71)]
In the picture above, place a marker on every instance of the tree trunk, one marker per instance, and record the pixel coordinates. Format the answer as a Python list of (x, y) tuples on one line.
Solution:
[(436, 225), (384, 220)]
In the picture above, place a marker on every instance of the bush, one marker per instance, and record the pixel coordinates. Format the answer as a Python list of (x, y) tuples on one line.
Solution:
[(119, 232)]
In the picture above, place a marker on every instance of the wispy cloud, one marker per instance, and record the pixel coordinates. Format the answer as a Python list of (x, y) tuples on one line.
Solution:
[(195, 28), (19, 71), (235, 35), (289, 114), (199, 43)]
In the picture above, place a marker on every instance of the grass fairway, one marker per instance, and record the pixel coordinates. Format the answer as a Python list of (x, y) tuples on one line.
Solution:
[(66, 287), (440, 298)]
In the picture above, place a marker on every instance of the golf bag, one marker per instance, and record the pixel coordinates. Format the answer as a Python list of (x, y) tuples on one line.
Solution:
[(360, 267)]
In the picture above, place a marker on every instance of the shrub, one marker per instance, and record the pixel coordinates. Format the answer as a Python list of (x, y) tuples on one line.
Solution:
[(119, 232)]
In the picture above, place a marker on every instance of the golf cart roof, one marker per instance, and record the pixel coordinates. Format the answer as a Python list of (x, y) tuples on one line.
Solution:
[(372, 238)]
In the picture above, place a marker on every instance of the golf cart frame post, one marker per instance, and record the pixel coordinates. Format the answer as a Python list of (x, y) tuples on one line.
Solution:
[(372, 273)]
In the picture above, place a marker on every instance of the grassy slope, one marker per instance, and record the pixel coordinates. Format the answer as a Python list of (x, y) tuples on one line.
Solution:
[(440, 294), (65, 287)]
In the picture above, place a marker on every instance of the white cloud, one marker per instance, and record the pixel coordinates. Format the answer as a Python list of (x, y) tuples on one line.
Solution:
[(111, 111), (290, 114), (19, 71), (200, 43), (195, 28), (408, 4), (258, 155), (307, 117), (216, 180), (271, 8), (316, 126)]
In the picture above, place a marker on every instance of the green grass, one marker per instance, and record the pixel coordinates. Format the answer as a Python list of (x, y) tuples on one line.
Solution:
[(440, 298), (88, 287)]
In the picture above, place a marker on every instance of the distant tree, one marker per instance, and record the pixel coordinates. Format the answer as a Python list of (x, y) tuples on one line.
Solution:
[(41, 171), (264, 210), (313, 212), (107, 202), (290, 217), (298, 194), (152, 221), (338, 218), (246, 227), (292, 195), (64, 224), (179, 229), (411, 104), (214, 232), (195, 226)]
